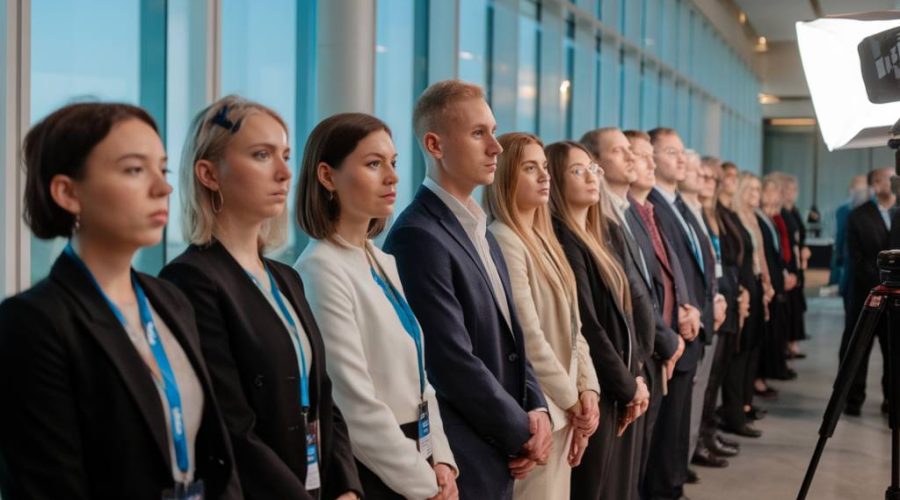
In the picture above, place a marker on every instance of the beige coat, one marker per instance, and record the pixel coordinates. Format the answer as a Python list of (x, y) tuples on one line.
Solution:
[(558, 352)]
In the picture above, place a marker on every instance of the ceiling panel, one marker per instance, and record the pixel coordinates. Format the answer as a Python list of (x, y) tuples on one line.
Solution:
[(775, 19)]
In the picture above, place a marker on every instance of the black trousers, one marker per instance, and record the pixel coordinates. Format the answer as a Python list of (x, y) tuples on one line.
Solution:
[(734, 385), (610, 465), (654, 367), (667, 467), (716, 379), (857, 394)]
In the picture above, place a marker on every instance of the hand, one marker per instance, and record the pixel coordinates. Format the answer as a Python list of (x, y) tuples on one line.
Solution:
[(576, 449), (744, 304), (520, 467), (790, 281), (626, 419), (446, 480), (641, 397), (805, 254), (671, 362), (538, 447), (348, 496), (720, 308), (588, 417), (768, 292), (688, 322)]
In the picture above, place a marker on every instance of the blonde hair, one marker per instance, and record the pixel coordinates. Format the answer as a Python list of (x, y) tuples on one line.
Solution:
[(434, 105), (500, 200), (592, 234), (208, 137)]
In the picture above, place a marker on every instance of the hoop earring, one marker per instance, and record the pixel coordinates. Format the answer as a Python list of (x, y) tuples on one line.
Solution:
[(212, 202)]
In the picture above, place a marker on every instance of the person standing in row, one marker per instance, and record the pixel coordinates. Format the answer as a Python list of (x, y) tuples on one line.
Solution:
[(373, 342), (610, 468), (543, 288), (455, 277), (259, 337), (97, 355)]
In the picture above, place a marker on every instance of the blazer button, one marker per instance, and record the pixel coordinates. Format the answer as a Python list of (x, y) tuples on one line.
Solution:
[(513, 357), (258, 381)]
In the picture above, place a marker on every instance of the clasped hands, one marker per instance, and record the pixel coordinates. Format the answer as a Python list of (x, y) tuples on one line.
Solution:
[(636, 407), (536, 451)]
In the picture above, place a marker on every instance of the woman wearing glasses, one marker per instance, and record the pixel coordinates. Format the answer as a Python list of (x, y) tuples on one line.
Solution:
[(259, 338), (543, 288), (607, 325)]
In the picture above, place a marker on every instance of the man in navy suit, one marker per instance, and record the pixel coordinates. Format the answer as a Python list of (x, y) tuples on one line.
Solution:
[(671, 441), (455, 278)]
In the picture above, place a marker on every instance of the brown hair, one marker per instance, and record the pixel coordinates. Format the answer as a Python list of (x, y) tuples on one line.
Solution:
[(331, 142), (434, 104), (208, 137), (637, 134), (593, 234), (658, 132), (59, 145), (500, 201), (593, 138)]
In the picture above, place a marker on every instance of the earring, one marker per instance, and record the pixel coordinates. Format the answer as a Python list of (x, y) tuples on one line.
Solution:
[(77, 222), (221, 203), (331, 196)]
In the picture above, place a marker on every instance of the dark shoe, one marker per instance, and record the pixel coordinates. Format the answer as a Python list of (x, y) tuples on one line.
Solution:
[(705, 458), (885, 408), (721, 440), (756, 413), (853, 411), (769, 393), (720, 449), (746, 431), (692, 477)]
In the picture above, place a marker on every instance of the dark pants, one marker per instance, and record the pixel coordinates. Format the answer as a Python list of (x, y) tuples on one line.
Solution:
[(649, 418), (667, 467), (716, 379), (734, 386), (610, 465), (857, 394)]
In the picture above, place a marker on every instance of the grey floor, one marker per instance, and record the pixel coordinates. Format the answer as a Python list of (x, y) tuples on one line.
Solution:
[(856, 462)]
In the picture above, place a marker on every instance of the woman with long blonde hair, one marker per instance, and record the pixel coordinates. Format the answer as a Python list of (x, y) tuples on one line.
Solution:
[(610, 466), (544, 291)]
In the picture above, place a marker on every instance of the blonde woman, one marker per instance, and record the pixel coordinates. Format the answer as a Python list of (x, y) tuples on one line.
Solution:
[(258, 335), (610, 466), (544, 292)]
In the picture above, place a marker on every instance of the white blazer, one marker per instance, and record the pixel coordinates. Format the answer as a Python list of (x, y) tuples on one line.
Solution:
[(371, 360), (557, 350)]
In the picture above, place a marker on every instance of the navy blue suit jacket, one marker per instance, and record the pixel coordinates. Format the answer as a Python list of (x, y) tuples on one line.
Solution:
[(475, 361), (694, 276)]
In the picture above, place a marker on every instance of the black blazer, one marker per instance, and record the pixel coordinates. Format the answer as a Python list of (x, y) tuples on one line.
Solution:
[(255, 373), (665, 342), (773, 256), (866, 236), (476, 362), (81, 415), (604, 325)]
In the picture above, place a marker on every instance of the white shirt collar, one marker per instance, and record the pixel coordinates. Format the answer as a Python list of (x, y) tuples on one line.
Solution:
[(469, 213)]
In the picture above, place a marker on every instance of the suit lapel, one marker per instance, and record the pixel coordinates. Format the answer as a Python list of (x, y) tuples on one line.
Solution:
[(104, 327)]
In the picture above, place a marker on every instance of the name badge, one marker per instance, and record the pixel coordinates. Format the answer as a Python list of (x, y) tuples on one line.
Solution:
[(313, 481), (192, 491), (424, 442), (719, 272)]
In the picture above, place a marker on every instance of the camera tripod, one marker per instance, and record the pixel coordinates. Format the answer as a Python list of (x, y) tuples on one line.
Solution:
[(883, 303)]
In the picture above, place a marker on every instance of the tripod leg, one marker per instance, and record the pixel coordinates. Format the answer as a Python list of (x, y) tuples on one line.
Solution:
[(892, 314), (861, 338)]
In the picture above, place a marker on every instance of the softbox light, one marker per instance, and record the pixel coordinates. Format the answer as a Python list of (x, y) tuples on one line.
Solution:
[(835, 58)]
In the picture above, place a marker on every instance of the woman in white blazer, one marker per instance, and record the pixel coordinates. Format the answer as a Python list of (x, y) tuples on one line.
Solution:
[(373, 343), (543, 288)]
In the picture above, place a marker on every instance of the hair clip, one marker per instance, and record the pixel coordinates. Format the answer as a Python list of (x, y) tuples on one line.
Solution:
[(221, 119)]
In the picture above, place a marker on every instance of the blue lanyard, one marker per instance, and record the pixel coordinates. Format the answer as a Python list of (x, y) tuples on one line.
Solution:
[(716, 246), (408, 319), (298, 345), (170, 385)]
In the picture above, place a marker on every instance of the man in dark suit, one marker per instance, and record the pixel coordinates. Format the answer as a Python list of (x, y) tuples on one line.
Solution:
[(455, 278), (667, 470), (868, 232)]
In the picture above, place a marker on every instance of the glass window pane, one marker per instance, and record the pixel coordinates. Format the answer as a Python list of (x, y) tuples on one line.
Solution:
[(72, 60), (529, 62)]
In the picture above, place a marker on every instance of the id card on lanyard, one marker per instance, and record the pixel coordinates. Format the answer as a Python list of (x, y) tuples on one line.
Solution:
[(408, 320), (313, 476), (182, 490)]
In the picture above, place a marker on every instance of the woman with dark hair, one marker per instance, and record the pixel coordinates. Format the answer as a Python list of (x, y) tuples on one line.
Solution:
[(260, 340), (98, 355), (373, 342), (609, 469)]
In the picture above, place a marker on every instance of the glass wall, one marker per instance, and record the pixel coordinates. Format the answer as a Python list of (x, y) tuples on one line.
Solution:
[(554, 67)]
